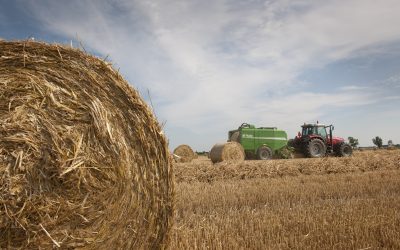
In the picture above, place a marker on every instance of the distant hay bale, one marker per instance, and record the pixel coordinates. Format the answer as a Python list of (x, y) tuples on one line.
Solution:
[(184, 153), (235, 137), (230, 151), (83, 161)]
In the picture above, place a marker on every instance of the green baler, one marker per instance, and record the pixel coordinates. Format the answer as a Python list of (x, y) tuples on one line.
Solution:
[(261, 143)]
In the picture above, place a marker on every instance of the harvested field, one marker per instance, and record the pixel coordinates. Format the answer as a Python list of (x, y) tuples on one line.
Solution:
[(330, 203), (83, 161), (203, 170)]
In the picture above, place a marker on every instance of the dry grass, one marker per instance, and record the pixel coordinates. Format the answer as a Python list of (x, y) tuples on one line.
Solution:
[(83, 162), (203, 170), (351, 203)]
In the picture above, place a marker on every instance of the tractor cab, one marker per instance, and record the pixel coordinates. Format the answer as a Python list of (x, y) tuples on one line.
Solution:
[(314, 129)]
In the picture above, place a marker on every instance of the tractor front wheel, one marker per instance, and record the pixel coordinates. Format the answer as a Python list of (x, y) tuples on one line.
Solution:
[(345, 150), (264, 153), (316, 148)]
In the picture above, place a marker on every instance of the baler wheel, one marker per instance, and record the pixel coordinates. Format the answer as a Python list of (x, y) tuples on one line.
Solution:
[(264, 153)]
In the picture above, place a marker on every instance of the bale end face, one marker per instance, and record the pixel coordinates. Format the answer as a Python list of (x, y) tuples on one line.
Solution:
[(230, 151), (184, 153), (83, 162)]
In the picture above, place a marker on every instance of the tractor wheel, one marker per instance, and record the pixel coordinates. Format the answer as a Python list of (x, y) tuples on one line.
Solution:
[(264, 153), (345, 150), (316, 148), (290, 143)]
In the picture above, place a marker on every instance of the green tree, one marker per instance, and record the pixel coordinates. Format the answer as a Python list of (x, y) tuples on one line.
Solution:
[(353, 142), (377, 141)]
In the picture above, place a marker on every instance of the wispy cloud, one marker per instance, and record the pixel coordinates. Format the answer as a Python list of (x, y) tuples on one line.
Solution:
[(392, 98), (353, 87), (213, 64), (393, 81)]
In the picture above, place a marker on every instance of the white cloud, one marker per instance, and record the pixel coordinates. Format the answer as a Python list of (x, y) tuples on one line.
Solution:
[(353, 87), (392, 98), (213, 64), (392, 82)]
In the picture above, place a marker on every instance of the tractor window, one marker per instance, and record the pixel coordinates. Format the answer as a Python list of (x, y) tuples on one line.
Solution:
[(322, 132), (308, 130)]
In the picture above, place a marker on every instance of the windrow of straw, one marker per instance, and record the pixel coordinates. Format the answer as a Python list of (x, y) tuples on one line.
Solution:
[(83, 161), (184, 153), (203, 170), (230, 151)]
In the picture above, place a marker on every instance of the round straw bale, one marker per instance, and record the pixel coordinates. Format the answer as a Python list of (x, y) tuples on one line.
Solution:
[(229, 151), (235, 137), (184, 153), (83, 161)]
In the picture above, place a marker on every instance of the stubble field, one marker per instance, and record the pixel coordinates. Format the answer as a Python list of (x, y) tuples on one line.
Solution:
[(329, 203)]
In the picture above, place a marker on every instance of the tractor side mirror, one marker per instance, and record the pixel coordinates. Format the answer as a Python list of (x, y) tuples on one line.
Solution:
[(333, 127)]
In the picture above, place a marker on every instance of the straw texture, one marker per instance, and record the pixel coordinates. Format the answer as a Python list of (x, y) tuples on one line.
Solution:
[(184, 153), (83, 162), (230, 151)]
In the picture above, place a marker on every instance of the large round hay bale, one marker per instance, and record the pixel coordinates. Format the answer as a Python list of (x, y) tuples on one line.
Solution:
[(184, 153), (230, 151), (83, 161)]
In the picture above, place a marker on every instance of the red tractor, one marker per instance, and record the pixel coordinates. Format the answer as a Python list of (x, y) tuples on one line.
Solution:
[(316, 141)]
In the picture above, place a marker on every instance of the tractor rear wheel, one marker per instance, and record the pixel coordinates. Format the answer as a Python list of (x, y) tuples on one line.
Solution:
[(264, 153), (345, 150), (316, 148)]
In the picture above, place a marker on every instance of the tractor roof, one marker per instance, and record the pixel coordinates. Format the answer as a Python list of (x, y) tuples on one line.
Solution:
[(313, 125)]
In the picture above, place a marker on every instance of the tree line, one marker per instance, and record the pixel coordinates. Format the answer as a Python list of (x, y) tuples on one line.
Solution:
[(377, 141)]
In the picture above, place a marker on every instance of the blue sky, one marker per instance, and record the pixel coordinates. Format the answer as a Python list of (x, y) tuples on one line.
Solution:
[(211, 65)]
